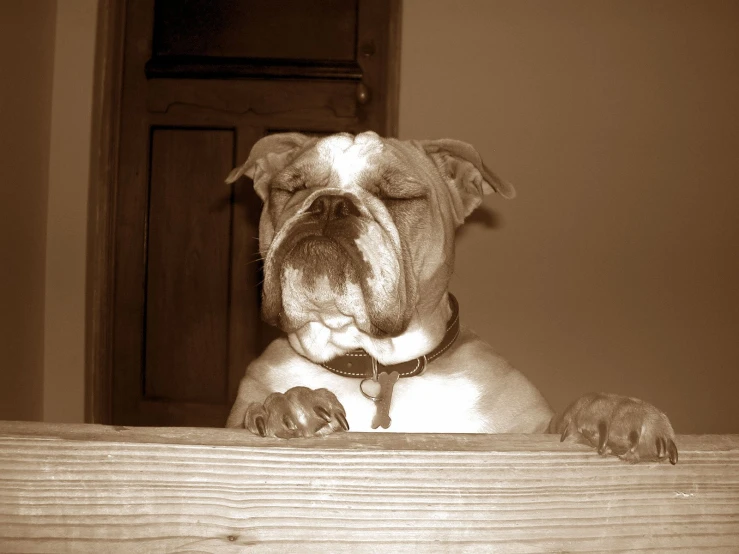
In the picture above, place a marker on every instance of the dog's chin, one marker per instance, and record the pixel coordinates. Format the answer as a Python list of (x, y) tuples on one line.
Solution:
[(322, 322), (320, 343), (321, 327)]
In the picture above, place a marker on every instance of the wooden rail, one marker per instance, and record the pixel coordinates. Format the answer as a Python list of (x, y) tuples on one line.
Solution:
[(89, 488)]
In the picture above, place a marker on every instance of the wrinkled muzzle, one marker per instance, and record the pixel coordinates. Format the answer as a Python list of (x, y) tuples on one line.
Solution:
[(333, 263)]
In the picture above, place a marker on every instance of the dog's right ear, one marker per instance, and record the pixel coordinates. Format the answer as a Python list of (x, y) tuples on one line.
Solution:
[(268, 156)]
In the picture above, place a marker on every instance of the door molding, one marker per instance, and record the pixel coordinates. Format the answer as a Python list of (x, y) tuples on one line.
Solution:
[(106, 109)]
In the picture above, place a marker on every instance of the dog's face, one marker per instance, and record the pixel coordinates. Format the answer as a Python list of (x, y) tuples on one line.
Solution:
[(357, 232)]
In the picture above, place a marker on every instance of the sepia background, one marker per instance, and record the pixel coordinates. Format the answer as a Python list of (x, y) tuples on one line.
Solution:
[(615, 269)]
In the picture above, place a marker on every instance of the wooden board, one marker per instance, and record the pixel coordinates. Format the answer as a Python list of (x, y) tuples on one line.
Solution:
[(85, 488)]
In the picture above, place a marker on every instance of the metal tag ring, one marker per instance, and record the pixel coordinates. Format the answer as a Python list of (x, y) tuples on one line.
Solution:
[(361, 389)]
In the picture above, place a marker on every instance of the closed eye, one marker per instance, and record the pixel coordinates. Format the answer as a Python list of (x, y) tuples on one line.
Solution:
[(289, 181), (401, 196), (280, 192), (397, 202), (394, 186), (288, 189)]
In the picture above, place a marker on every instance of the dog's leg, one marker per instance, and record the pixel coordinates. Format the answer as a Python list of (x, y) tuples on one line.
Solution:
[(630, 428), (298, 412)]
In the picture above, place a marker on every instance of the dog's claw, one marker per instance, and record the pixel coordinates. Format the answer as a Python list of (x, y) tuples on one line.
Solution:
[(322, 412), (661, 448), (289, 422), (672, 451), (261, 427), (341, 418), (602, 438), (565, 434)]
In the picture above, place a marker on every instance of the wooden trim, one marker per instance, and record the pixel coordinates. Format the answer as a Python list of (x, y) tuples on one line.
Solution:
[(210, 67), (378, 40), (393, 70), (101, 209), (87, 488)]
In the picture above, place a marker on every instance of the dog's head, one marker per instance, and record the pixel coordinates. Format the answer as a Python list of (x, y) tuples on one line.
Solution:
[(357, 233)]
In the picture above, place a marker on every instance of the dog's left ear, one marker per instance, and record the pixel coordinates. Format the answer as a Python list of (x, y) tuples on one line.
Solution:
[(461, 165), (268, 156)]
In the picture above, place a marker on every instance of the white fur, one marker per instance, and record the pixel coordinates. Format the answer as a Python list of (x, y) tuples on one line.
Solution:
[(385, 268), (348, 157)]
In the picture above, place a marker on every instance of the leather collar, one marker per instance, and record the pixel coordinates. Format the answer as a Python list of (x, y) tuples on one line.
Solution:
[(358, 363)]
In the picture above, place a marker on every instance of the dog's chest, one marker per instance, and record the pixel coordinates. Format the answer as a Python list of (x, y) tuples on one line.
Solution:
[(426, 403)]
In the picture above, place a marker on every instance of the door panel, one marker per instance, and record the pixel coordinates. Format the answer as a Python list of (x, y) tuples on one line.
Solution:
[(284, 29), (188, 266)]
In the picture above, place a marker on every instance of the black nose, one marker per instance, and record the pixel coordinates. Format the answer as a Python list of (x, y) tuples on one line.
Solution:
[(333, 206)]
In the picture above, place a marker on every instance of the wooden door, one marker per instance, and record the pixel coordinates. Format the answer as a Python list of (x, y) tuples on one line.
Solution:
[(202, 81)]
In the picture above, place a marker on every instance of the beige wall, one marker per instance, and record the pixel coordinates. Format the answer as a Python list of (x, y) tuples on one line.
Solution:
[(617, 267), (26, 59), (47, 55), (69, 164)]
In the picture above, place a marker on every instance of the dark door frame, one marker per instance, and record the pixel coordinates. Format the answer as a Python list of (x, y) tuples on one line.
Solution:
[(106, 111)]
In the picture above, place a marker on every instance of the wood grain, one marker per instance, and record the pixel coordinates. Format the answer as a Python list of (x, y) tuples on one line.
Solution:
[(85, 488), (188, 266)]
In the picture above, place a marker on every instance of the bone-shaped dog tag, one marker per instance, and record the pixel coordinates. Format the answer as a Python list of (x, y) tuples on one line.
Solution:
[(382, 403)]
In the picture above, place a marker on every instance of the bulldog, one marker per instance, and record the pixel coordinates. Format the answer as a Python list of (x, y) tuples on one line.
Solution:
[(357, 238)]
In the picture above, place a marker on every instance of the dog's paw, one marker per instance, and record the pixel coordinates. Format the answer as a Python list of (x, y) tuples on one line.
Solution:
[(630, 428), (299, 412)]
